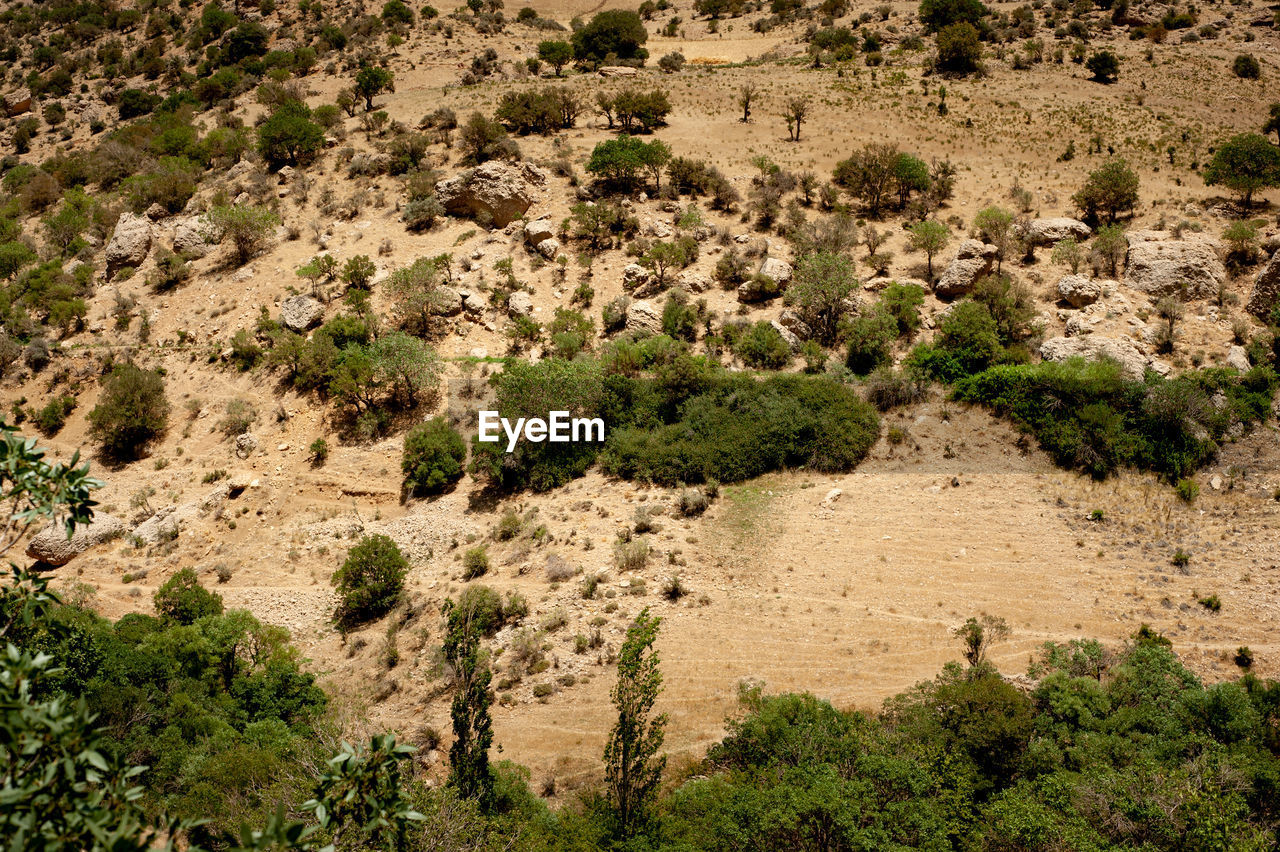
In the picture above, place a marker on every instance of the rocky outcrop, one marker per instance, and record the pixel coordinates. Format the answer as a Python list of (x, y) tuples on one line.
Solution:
[(1238, 359), (1046, 232), (693, 282), (618, 71), (18, 102), (52, 547), (299, 313), (634, 276), (786, 334), (1189, 268), (1094, 347), (497, 190), (130, 241), (644, 317), (447, 302), (548, 248), (972, 261), (194, 237), (791, 321), (1078, 291), (1266, 290)]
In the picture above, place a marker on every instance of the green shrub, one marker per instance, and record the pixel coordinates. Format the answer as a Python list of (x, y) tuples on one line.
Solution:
[(1246, 67), (871, 337), (434, 453), (131, 412), (370, 581), (475, 563), (612, 33), (761, 346), (50, 419), (183, 600)]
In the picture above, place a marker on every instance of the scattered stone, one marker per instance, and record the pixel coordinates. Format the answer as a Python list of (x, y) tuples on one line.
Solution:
[(549, 248), (1078, 291), (246, 443), (130, 242), (299, 313), (1215, 482), (52, 547), (538, 230), (448, 302)]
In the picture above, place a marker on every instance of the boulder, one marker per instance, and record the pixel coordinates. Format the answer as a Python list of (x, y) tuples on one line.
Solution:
[(1189, 268), (1078, 291), (693, 282), (618, 71), (786, 334), (16, 103), (777, 269), (299, 313), (52, 546), (634, 276), (1046, 232), (447, 302), (1094, 347), (791, 321), (973, 260), (130, 241), (549, 248), (754, 289), (644, 317), (1238, 359), (500, 190), (519, 304), (246, 443), (538, 230), (1266, 290)]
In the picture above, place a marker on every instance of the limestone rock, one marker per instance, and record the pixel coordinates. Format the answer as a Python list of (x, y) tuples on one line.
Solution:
[(777, 269), (786, 334), (299, 313), (693, 282), (1094, 347), (1189, 268), (618, 71), (1046, 232), (634, 276), (644, 317), (519, 304), (549, 248), (791, 321), (130, 242), (1238, 358), (500, 190), (1266, 290), (16, 103), (52, 546), (447, 302), (1078, 291), (538, 230), (246, 443)]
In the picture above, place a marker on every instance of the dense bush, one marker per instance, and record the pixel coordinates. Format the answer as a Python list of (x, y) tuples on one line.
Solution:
[(1111, 189), (433, 456), (132, 411), (289, 136), (939, 14), (538, 110), (1089, 416), (614, 35), (959, 50), (762, 346), (182, 600), (624, 163), (370, 581)]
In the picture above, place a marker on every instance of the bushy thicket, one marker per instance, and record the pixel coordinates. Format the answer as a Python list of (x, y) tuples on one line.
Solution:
[(672, 417), (433, 456), (370, 580), (1088, 415)]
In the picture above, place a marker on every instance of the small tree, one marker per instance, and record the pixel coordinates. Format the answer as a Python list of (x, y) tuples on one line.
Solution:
[(434, 453), (978, 635), (183, 600), (1245, 164), (959, 49), (930, 237), (632, 767), (1104, 66), (1068, 253), (289, 136), (819, 289), (613, 32), (1171, 311), (370, 581), (797, 109), (359, 271), (131, 412), (557, 54), (371, 81), (1109, 247), (472, 725), (248, 227), (1111, 189), (746, 94), (1246, 67), (995, 226)]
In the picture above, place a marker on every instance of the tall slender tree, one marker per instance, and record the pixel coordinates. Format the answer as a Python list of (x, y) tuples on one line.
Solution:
[(632, 767), (472, 724)]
